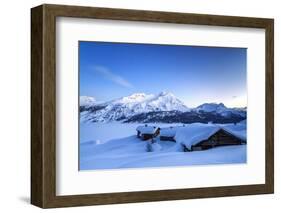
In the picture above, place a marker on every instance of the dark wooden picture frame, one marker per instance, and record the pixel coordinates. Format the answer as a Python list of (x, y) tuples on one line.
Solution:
[(43, 105)]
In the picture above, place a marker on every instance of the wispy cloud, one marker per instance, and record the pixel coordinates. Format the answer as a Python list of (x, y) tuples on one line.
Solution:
[(117, 79)]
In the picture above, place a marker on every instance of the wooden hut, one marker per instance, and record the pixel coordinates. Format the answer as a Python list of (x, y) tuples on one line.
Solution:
[(219, 138), (202, 137), (168, 134), (147, 132)]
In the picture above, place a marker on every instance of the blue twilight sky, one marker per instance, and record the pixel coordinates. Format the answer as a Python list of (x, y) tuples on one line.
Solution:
[(194, 74)]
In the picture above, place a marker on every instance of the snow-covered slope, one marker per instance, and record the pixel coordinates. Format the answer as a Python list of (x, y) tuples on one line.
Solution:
[(129, 106)]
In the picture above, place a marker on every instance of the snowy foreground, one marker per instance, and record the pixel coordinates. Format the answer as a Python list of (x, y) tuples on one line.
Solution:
[(115, 146)]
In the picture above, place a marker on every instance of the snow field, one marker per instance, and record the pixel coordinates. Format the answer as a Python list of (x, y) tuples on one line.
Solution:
[(116, 146)]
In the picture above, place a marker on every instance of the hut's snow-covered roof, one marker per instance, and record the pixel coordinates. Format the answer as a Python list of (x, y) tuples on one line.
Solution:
[(195, 133), (239, 130), (168, 132), (242, 134), (147, 129)]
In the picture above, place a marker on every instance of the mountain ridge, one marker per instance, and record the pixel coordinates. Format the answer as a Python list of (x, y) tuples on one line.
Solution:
[(162, 107)]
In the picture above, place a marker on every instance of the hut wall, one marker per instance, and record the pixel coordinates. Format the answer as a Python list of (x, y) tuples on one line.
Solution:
[(225, 138), (220, 138), (165, 138), (146, 136)]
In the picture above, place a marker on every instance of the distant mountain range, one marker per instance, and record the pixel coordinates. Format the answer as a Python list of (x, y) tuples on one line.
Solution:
[(164, 107)]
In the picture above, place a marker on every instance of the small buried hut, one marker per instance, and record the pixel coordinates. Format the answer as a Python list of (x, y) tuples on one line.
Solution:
[(168, 134), (147, 132), (202, 137)]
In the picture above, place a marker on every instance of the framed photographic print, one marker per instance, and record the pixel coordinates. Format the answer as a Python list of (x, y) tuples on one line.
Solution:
[(136, 106)]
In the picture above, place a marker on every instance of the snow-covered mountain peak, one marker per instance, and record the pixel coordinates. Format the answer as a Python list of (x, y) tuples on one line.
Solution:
[(167, 95), (87, 101), (167, 101), (135, 104), (220, 109), (211, 107), (141, 102), (136, 97), (164, 93)]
